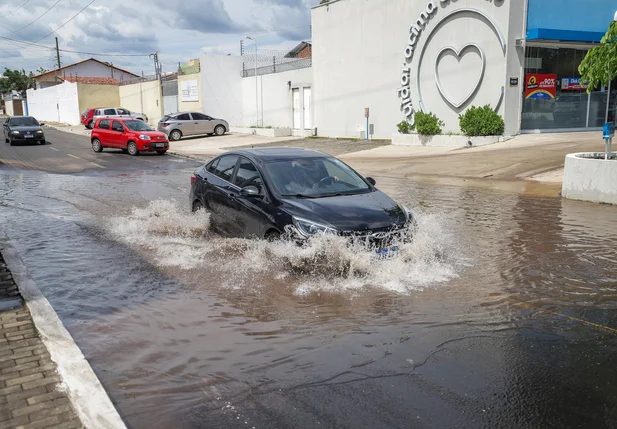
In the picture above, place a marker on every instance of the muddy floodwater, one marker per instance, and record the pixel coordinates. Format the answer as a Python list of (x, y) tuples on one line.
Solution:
[(502, 312)]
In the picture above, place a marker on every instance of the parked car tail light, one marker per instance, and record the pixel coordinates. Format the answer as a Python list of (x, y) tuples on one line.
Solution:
[(165, 124), (193, 178)]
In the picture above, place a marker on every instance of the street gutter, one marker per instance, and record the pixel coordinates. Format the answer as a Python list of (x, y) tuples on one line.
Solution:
[(85, 391)]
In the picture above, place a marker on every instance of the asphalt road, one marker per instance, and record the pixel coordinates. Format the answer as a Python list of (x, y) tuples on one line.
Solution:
[(71, 153)]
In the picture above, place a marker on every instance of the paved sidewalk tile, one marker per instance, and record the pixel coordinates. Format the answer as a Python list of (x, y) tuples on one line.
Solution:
[(30, 396)]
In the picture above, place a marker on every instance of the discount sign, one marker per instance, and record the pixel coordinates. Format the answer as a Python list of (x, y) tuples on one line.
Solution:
[(541, 86)]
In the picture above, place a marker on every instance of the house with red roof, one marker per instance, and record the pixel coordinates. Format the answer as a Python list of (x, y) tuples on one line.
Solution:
[(106, 73)]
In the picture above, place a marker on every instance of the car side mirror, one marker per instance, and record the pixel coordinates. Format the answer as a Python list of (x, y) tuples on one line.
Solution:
[(250, 192), (371, 181)]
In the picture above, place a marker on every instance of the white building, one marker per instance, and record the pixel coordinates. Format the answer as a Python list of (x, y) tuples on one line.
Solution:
[(397, 57), (86, 68)]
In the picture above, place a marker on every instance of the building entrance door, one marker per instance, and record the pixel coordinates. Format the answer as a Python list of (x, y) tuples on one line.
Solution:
[(307, 109), (296, 108)]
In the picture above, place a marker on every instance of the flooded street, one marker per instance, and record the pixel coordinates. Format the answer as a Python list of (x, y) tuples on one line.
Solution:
[(500, 313)]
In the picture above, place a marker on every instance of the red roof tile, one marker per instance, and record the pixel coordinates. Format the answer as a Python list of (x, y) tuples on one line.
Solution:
[(91, 80)]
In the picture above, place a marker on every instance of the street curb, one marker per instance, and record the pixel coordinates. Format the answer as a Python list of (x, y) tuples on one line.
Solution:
[(87, 395), (191, 157)]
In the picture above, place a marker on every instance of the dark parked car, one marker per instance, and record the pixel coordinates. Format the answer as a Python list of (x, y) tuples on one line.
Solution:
[(266, 193), (22, 129)]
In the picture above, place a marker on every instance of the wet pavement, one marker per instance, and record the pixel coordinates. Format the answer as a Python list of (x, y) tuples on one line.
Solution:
[(501, 313)]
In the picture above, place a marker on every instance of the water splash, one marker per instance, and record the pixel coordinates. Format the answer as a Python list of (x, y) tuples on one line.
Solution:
[(182, 240)]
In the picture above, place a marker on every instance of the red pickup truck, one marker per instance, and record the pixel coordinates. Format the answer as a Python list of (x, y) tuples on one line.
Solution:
[(130, 135)]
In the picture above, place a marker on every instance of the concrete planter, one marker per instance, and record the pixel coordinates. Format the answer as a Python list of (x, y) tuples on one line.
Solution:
[(266, 132), (443, 140), (588, 176)]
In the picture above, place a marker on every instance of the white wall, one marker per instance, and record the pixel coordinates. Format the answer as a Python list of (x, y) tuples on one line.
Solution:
[(515, 68), (9, 107), (359, 50), (59, 103), (222, 87), (277, 97)]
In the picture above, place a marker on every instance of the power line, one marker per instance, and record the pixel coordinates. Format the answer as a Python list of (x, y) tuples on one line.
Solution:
[(74, 16), (17, 9), (44, 13), (71, 51)]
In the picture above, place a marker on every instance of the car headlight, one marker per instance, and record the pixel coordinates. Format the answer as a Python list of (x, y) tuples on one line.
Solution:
[(308, 228), (144, 137), (410, 220), (15, 132), (39, 132)]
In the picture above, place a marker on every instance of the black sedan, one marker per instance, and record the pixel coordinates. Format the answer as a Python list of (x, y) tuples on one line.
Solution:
[(23, 129), (268, 193)]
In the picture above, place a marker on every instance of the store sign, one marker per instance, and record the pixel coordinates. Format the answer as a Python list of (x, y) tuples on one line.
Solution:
[(190, 90), (416, 31), (543, 86), (573, 84)]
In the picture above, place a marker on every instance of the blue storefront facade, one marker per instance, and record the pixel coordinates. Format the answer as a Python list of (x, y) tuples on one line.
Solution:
[(559, 34)]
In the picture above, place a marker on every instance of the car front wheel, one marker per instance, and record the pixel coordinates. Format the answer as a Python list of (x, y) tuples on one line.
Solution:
[(132, 148), (219, 130), (161, 152), (96, 146), (90, 125)]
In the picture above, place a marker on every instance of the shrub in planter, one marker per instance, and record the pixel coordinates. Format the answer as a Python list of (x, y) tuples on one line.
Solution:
[(481, 121), (405, 127), (428, 124)]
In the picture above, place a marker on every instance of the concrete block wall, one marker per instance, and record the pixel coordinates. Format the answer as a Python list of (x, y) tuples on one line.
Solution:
[(143, 97), (58, 103)]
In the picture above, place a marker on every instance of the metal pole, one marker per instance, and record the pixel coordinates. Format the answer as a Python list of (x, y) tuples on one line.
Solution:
[(608, 98), (256, 86), (366, 127), (58, 53)]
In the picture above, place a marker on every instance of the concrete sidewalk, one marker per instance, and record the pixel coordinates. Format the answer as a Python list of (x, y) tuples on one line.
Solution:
[(536, 157), (30, 393), (45, 381)]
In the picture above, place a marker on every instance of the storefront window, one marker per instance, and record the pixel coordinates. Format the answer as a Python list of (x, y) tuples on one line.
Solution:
[(555, 98)]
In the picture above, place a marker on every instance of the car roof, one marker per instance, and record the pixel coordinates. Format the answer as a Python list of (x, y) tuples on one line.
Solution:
[(23, 116), (279, 153)]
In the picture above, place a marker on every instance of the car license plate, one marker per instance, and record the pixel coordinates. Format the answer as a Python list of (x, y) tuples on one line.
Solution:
[(29, 136), (387, 253), (159, 144)]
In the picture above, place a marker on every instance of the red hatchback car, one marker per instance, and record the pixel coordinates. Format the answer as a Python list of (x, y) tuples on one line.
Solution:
[(130, 135)]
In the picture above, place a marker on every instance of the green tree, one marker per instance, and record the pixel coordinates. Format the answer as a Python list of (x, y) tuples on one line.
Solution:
[(601, 61), (15, 80)]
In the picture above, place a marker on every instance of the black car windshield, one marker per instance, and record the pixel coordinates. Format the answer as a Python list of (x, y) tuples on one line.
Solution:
[(138, 126), (314, 178), (23, 122)]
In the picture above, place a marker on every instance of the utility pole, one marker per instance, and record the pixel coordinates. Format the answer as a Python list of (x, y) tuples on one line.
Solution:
[(58, 53)]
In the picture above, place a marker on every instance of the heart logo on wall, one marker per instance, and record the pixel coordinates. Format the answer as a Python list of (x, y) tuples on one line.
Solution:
[(459, 54)]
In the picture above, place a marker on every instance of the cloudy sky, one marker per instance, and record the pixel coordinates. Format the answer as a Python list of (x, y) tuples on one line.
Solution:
[(178, 30)]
